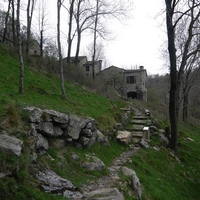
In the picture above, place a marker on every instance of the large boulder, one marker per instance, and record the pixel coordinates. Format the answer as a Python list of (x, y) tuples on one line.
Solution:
[(102, 139), (136, 185), (56, 116), (10, 144), (35, 114), (104, 194), (163, 140), (76, 124), (51, 182), (48, 129), (41, 144), (93, 163), (127, 172), (124, 137)]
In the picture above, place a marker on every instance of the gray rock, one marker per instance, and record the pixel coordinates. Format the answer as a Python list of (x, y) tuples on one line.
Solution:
[(127, 172), (10, 145), (124, 137), (73, 195), (57, 117), (143, 143), (104, 194), (136, 185), (93, 164), (76, 124), (41, 143), (87, 132), (102, 139), (4, 174), (84, 140), (163, 140), (47, 129), (92, 139), (35, 114), (152, 129), (51, 182)]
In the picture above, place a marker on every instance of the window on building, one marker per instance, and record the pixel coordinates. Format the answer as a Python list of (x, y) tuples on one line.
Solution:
[(87, 68), (130, 79)]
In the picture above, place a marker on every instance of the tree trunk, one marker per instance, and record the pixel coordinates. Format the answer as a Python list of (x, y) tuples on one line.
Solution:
[(41, 43), (78, 47), (173, 100), (95, 39), (185, 107), (13, 23), (29, 21), (21, 61), (71, 12), (6, 23), (59, 51)]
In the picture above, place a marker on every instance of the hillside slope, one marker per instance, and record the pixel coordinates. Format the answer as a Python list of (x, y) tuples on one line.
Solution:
[(162, 175), (44, 91)]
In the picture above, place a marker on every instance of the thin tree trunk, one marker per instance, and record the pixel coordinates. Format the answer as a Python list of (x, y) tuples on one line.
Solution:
[(185, 107), (21, 61), (29, 21), (41, 43), (59, 51), (6, 23), (13, 23), (70, 31), (95, 39), (78, 47)]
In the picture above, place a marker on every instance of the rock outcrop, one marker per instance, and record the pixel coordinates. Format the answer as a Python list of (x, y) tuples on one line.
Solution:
[(76, 130), (10, 144), (51, 182)]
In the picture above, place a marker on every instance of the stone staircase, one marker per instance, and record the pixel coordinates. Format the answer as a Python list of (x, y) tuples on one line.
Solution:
[(136, 125)]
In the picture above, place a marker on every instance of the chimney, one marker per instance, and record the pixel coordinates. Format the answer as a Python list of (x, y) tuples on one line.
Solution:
[(141, 67)]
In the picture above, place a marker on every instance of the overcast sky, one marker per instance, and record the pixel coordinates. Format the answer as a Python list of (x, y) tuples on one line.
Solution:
[(137, 42), (141, 41)]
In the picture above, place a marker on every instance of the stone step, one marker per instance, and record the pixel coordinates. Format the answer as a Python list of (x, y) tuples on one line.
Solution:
[(136, 140), (140, 117), (135, 127), (138, 121), (138, 134)]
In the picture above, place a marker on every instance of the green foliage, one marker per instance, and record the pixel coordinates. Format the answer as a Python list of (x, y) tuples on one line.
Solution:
[(162, 176)]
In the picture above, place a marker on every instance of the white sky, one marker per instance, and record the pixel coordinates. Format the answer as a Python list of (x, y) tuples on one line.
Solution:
[(139, 42)]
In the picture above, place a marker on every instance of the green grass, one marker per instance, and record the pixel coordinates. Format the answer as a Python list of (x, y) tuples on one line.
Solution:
[(44, 91), (163, 177)]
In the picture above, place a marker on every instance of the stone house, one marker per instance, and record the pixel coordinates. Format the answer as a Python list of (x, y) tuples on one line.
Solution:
[(129, 83), (34, 48), (87, 66)]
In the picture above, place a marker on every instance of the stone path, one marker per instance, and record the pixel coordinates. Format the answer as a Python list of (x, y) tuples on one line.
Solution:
[(112, 181)]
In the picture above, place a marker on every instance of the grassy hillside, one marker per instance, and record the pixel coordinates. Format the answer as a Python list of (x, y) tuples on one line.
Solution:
[(162, 175), (44, 91)]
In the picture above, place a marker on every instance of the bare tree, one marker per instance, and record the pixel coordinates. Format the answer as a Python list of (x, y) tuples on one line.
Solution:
[(95, 37), (6, 22), (70, 37), (13, 23), (30, 8), (42, 19), (190, 79), (178, 12), (21, 61), (59, 3)]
